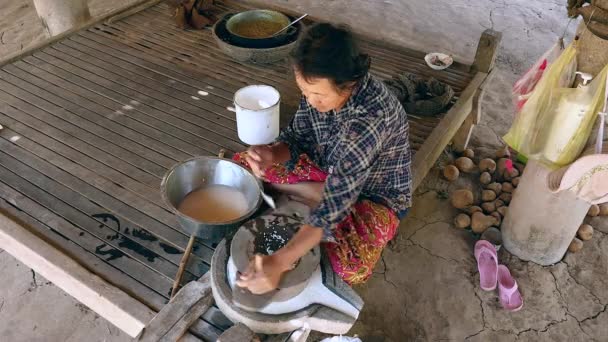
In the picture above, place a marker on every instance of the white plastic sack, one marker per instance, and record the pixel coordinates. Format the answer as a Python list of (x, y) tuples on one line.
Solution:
[(342, 339)]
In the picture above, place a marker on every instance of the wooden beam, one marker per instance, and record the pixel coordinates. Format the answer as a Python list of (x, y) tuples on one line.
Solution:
[(181, 312), (462, 137), (117, 307), (443, 133), (464, 133), (130, 10), (238, 333), (487, 49)]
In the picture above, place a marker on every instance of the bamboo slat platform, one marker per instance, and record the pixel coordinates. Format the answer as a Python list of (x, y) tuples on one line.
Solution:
[(93, 121)]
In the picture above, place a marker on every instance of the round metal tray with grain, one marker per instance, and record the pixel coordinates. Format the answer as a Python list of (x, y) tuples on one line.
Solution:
[(258, 28), (265, 55)]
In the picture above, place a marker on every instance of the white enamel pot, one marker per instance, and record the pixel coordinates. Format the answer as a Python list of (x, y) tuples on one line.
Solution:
[(257, 114)]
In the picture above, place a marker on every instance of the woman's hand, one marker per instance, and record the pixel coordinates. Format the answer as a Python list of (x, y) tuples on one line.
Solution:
[(263, 274), (260, 158)]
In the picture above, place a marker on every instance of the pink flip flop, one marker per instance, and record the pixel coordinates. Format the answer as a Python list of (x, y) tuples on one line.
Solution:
[(508, 291), (487, 264)]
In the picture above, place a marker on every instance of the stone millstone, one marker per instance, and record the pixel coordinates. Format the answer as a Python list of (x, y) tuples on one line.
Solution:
[(265, 235)]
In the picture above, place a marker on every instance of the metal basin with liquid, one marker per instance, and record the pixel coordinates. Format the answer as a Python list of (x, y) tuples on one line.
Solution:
[(202, 171)]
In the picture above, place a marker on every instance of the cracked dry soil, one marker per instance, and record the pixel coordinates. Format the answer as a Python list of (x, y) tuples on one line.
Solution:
[(426, 287)]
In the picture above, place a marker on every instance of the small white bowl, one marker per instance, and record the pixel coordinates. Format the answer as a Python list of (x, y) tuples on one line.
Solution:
[(446, 59)]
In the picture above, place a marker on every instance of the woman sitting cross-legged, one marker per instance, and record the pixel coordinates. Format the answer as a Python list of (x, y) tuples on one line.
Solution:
[(345, 154)]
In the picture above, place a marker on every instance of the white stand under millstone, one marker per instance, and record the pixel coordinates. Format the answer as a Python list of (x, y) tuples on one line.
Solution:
[(315, 292), (314, 317), (540, 225)]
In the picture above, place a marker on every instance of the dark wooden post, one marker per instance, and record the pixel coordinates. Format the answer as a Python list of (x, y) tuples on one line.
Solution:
[(484, 62)]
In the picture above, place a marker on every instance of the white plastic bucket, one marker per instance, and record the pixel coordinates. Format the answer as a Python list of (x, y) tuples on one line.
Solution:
[(257, 114)]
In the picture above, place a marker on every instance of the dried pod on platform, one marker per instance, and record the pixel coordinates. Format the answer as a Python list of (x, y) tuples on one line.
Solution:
[(585, 232), (515, 181), (469, 153), (510, 174), (488, 207), (507, 187), (485, 178), (594, 210), (488, 195), (473, 209), (505, 197), (462, 199), (503, 152), (497, 216), (603, 209), (462, 221), (496, 187), (501, 167), (575, 245), (481, 222), (465, 164), (451, 173), (499, 203), (502, 211), (487, 165)]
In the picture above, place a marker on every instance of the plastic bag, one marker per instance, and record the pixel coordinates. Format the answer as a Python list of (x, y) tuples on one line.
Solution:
[(556, 121), (524, 86), (572, 120)]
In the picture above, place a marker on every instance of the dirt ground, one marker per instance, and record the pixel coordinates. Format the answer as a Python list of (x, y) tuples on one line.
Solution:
[(426, 286)]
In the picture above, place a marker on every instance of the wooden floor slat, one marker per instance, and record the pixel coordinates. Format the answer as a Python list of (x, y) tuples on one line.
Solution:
[(151, 149), (103, 136), (93, 122), (167, 230), (155, 65), (175, 38), (86, 197), (175, 64), (145, 78), (134, 119), (67, 152), (220, 124), (69, 140), (148, 277), (143, 103), (67, 236), (128, 80), (79, 136)]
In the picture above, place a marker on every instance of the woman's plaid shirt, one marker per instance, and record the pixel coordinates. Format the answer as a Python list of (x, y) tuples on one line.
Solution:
[(364, 148)]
